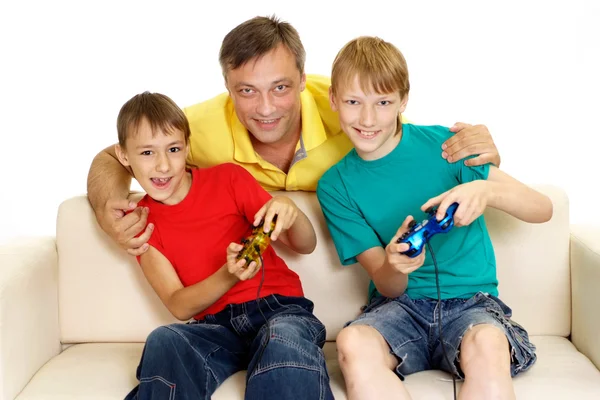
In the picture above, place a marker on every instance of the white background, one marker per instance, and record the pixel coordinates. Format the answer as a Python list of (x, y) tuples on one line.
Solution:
[(529, 70)]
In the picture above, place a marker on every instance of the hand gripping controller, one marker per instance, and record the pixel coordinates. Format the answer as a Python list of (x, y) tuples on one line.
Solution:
[(256, 243), (418, 235)]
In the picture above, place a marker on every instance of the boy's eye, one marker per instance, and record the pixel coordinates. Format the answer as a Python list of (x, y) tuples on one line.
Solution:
[(174, 149), (384, 102), (352, 102), (147, 153)]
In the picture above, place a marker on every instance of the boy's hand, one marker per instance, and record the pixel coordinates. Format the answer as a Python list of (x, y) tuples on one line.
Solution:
[(470, 140), (400, 262), (237, 267), (286, 211), (472, 199), (124, 227)]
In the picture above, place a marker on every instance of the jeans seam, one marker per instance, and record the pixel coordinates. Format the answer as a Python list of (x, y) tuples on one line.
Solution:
[(171, 385)]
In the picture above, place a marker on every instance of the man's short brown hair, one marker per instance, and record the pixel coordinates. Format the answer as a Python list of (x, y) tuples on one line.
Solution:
[(160, 111), (256, 37)]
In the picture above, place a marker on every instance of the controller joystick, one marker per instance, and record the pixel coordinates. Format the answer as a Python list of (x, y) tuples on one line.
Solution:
[(256, 243), (418, 235)]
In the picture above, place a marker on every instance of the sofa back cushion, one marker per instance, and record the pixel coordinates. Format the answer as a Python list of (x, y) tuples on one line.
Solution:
[(104, 296)]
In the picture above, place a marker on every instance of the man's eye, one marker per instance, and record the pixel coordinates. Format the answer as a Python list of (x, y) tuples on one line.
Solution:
[(146, 153), (247, 91), (280, 88), (174, 149)]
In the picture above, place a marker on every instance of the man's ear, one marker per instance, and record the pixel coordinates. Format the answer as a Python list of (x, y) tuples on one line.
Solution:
[(303, 82), (122, 155), (332, 102)]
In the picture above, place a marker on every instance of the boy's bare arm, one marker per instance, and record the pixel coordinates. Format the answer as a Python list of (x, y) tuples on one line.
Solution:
[(389, 268), (388, 281), (301, 236), (108, 187), (517, 199), (185, 302)]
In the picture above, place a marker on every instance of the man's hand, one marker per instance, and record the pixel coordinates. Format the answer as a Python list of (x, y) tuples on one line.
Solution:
[(286, 211), (469, 140), (472, 199), (237, 267), (123, 227), (400, 262)]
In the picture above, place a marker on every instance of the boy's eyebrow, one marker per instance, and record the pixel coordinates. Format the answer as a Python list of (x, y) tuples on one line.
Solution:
[(149, 146)]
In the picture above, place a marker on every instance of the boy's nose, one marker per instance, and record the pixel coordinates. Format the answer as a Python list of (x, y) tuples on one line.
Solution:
[(162, 164), (367, 117)]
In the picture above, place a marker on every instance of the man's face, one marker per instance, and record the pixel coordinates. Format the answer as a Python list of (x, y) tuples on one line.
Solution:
[(266, 95)]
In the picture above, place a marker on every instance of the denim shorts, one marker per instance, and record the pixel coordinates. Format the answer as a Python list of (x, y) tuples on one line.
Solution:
[(411, 329)]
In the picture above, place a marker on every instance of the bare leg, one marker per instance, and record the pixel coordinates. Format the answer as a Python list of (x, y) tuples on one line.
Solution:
[(485, 361), (368, 366)]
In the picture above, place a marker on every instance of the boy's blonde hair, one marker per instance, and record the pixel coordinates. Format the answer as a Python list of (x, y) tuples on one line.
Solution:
[(379, 65), (160, 111)]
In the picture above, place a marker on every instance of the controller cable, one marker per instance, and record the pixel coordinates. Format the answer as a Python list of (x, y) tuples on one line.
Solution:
[(439, 309)]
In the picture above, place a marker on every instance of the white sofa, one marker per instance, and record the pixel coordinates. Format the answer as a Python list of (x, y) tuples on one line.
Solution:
[(75, 309)]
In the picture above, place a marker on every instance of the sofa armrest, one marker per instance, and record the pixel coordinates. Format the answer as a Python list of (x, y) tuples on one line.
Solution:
[(29, 330), (585, 287)]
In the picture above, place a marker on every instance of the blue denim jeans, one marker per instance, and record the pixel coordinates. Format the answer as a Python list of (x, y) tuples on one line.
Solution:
[(411, 328), (284, 357)]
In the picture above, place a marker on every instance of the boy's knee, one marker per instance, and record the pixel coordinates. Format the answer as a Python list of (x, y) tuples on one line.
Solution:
[(162, 337), (360, 343), (487, 344)]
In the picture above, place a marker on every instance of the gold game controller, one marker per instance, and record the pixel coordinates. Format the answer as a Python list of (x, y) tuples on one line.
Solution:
[(256, 243)]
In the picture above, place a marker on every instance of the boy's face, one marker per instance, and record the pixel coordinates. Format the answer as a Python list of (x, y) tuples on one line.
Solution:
[(266, 95), (369, 119), (158, 162)]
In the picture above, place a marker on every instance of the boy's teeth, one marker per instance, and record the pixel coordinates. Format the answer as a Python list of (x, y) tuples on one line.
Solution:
[(161, 180), (267, 121)]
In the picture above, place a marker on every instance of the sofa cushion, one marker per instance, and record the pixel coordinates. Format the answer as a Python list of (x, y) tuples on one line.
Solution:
[(104, 297), (107, 371)]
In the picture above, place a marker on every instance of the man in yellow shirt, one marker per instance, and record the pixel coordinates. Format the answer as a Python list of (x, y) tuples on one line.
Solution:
[(274, 121)]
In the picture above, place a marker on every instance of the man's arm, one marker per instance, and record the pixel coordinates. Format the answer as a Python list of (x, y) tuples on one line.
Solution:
[(108, 187), (471, 140)]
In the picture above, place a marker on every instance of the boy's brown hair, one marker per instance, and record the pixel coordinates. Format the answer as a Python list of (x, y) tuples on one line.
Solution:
[(160, 111), (379, 65), (256, 37)]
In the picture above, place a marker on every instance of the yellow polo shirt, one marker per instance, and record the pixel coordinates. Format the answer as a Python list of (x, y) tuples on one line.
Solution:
[(218, 136)]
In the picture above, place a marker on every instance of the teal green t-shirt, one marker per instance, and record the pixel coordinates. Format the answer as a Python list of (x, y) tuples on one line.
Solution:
[(365, 202)]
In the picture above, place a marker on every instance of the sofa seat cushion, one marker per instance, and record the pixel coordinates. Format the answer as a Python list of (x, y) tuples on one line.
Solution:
[(107, 371)]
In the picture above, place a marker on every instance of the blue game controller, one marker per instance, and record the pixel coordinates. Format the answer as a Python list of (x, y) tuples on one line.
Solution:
[(418, 235)]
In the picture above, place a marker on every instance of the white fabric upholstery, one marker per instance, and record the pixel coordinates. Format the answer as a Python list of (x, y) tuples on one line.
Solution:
[(103, 305)]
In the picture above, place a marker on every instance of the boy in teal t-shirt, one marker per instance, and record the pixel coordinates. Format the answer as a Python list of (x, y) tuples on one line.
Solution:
[(393, 171)]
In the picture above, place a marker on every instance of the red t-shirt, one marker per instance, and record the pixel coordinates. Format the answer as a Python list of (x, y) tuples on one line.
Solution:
[(194, 234)]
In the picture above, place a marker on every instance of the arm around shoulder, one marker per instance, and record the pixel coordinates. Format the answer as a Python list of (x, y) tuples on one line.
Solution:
[(107, 179)]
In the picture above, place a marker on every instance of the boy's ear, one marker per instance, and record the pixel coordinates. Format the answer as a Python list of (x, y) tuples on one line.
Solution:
[(121, 155), (403, 103), (332, 100)]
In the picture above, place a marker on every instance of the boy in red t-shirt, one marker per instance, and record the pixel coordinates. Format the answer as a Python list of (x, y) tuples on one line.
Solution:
[(199, 216)]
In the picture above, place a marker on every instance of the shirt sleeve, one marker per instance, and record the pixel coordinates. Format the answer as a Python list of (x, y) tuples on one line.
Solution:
[(247, 192), (351, 233), (466, 174)]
